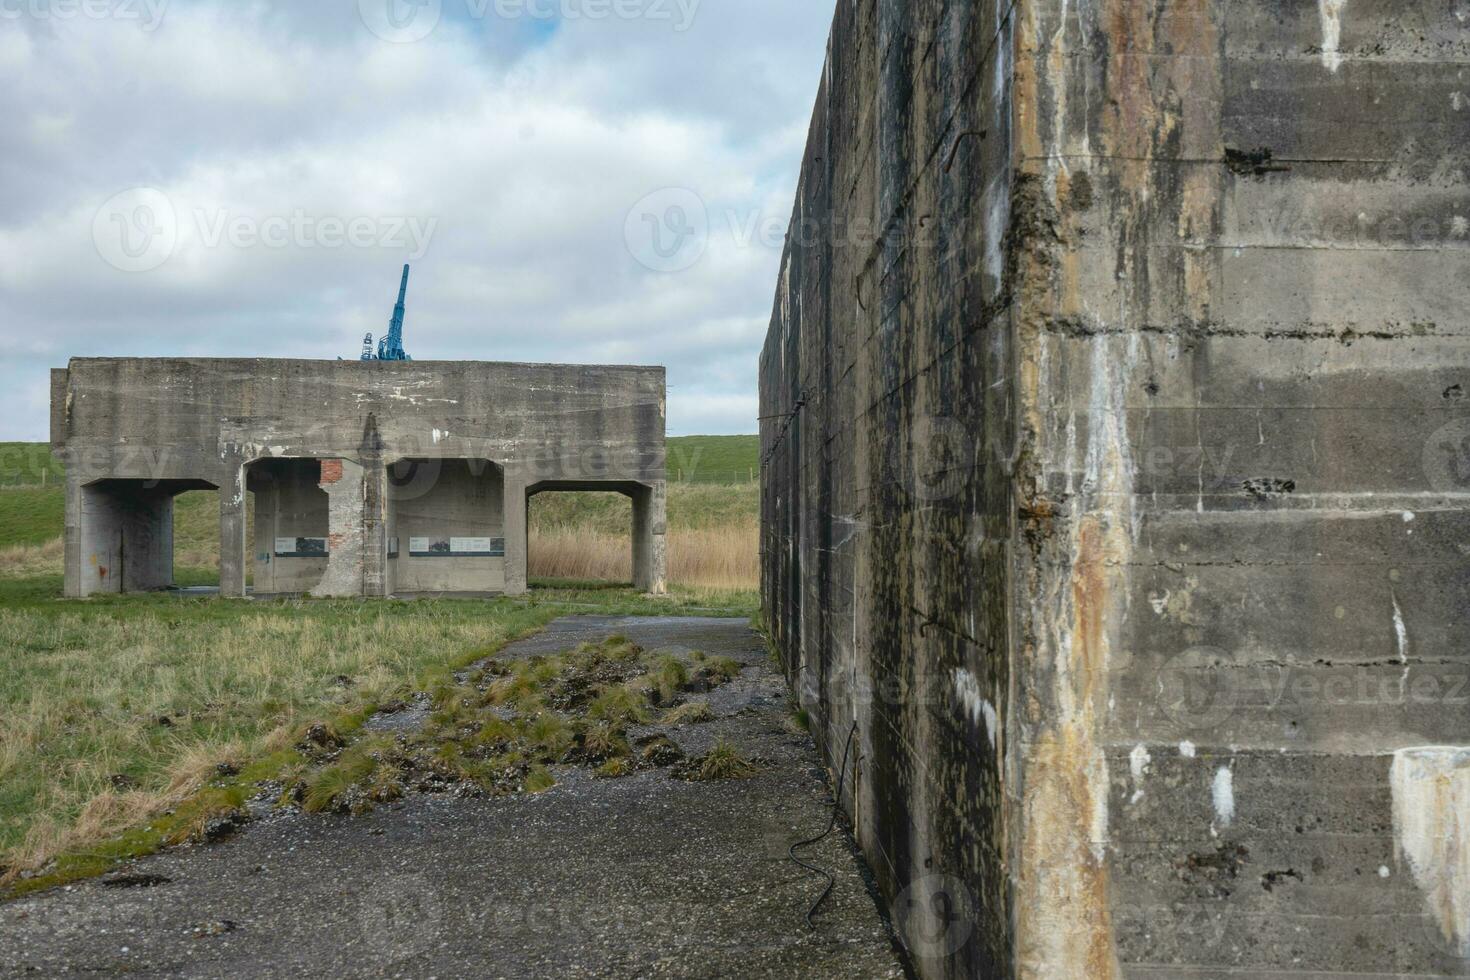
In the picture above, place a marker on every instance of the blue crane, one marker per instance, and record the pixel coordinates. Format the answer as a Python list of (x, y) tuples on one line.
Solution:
[(390, 348)]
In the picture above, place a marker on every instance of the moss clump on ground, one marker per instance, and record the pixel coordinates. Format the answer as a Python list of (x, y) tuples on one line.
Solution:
[(498, 728), (614, 769)]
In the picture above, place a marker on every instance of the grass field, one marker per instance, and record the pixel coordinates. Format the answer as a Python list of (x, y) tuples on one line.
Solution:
[(120, 716), (28, 464), (714, 459), (127, 723)]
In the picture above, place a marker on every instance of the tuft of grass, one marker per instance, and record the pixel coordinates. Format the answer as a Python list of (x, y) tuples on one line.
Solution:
[(386, 784), (604, 741), (689, 713), (618, 704), (326, 789), (539, 780), (615, 768), (211, 814), (550, 736), (667, 677), (725, 669), (724, 761)]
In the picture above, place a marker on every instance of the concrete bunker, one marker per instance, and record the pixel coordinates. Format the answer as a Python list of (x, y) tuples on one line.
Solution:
[(364, 478), (125, 535)]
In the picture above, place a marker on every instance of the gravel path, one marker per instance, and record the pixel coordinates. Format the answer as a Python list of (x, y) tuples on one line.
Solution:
[(646, 876)]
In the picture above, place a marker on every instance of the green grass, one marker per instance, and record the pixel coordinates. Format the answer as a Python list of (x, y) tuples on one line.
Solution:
[(690, 507), (29, 464), (724, 761), (31, 516), (88, 767), (714, 459)]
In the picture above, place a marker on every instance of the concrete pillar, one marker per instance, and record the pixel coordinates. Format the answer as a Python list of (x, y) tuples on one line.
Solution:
[(73, 587), (516, 504), (233, 548), (346, 530), (375, 573), (650, 529)]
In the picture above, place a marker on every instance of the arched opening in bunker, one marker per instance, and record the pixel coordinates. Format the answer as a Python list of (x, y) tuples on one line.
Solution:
[(580, 538), (290, 532), (148, 535), (582, 532), (445, 527), (197, 540)]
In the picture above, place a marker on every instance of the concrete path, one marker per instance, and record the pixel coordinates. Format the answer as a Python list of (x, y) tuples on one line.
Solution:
[(646, 876)]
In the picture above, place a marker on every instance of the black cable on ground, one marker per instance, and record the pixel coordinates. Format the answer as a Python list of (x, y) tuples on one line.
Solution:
[(836, 804)]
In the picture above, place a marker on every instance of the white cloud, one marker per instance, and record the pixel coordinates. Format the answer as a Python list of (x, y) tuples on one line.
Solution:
[(522, 151)]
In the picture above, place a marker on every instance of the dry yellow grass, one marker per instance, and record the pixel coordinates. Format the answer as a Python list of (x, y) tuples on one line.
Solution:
[(710, 558), (30, 560)]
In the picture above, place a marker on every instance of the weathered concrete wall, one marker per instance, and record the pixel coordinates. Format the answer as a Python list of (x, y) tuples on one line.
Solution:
[(289, 503), (133, 425), (453, 497), (1118, 493)]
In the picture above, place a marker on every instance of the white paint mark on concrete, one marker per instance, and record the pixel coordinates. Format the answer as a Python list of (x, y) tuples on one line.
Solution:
[(1410, 517), (1431, 818), (1383, 871), (979, 709), (1458, 101), (1460, 225), (1138, 764), (1331, 32), (1223, 794), (1186, 749), (1159, 602), (1401, 633)]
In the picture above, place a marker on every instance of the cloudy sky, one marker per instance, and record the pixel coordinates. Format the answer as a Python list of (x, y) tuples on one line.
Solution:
[(597, 181)]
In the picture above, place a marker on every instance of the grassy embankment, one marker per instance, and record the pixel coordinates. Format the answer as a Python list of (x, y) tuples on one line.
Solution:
[(129, 723)]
